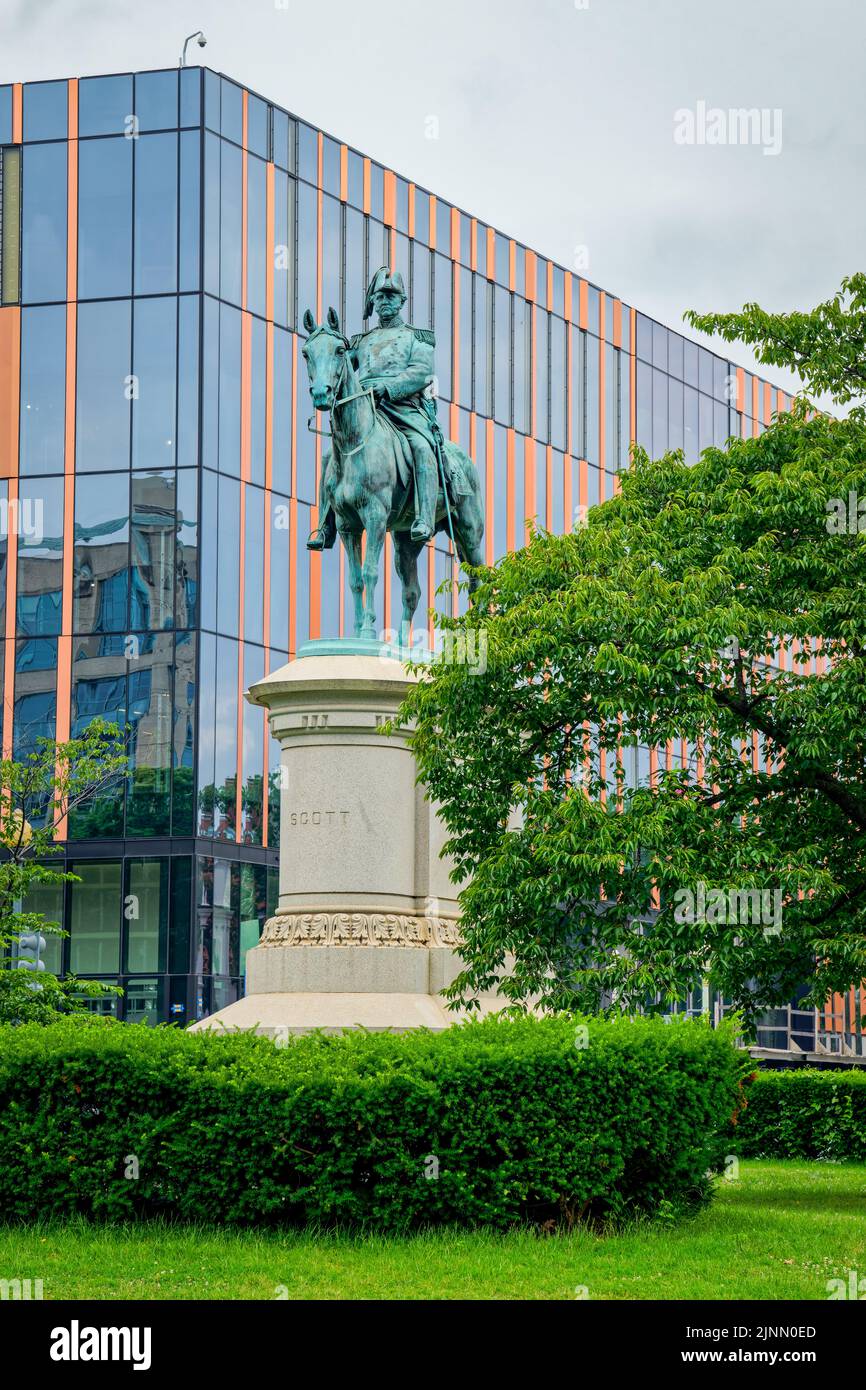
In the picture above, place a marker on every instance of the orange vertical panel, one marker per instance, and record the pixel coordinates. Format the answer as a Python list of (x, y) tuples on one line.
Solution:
[(512, 265), (584, 304), (64, 645), (294, 423), (510, 499), (246, 393), (455, 347), (316, 557), (244, 203), (455, 235), (567, 303), (72, 196), (390, 198), (530, 266), (344, 173), (319, 211), (529, 484), (768, 409), (431, 582), (632, 383), (410, 215), (315, 583), (293, 560), (10, 389), (617, 323), (602, 386), (741, 389), (584, 483), (567, 499), (755, 413), (17, 121), (473, 243), (490, 484), (239, 728), (491, 254), (432, 218), (548, 514)]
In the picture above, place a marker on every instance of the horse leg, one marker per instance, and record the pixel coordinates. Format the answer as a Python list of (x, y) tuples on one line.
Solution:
[(352, 544), (468, 534), (374, 518), (406, 552)]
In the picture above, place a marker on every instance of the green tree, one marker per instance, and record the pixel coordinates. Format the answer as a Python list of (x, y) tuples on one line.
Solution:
[(661, 620), (45, 785)]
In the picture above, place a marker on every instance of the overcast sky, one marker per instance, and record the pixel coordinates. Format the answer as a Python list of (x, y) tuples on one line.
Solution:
[(556, 119)]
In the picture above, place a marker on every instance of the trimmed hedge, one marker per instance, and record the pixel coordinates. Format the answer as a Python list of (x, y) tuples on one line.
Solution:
[(489, 1123), (804, 1114)]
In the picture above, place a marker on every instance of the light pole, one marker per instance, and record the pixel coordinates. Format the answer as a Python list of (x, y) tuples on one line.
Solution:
[(200, 39)]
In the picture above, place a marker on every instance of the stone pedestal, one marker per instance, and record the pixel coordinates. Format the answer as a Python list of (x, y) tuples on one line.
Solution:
[(367, 922)]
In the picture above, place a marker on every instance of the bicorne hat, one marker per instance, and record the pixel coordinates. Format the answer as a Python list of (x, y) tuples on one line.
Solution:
[(383, 280)]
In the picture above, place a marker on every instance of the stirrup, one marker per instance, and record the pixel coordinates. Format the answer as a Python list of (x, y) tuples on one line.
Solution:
[(316, 540), (420, 530)]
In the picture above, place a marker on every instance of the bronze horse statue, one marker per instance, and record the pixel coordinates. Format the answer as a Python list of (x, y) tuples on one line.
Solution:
[(367, 480)]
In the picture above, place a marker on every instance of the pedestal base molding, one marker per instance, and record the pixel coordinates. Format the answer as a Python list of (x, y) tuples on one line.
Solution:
[(358, 929)]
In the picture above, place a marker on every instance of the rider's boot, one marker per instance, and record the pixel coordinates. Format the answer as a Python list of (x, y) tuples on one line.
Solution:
[(426, 491), (322, 537)]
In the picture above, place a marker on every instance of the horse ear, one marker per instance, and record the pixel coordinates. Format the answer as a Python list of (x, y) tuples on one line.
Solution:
[(333, 320), (309, 321)]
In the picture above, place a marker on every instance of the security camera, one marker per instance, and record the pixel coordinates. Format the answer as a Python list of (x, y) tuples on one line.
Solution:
[(202, 41)]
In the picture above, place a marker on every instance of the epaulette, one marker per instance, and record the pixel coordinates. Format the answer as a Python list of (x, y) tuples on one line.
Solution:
[(355, 340), (425, 335)]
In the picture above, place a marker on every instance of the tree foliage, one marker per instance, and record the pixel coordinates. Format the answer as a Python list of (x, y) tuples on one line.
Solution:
[(39, 791), (661, 621)]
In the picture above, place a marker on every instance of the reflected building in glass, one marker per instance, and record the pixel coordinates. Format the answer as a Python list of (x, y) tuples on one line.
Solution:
[(161, 234)]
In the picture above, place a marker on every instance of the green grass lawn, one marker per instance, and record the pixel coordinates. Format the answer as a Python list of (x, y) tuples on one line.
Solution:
[(780, 1231)]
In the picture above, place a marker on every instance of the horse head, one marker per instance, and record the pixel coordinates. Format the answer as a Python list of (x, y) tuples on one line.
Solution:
[(325, 355)]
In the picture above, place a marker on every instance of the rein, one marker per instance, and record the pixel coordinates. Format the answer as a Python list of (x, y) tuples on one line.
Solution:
[(344, 400)]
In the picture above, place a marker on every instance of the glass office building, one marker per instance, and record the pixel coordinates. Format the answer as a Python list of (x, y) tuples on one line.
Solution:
[(161, 234)]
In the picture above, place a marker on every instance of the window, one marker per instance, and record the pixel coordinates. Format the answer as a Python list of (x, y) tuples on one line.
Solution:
[(156, 100), (105, 105), (104, 217), (101, 553), (45, 111), (43, 389), (154, 381), (105, 385), (43, 223), (94, 925), (155, 214), (10, 225), (146, 914)]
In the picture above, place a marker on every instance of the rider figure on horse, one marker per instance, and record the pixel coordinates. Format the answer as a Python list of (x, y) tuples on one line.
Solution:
[(396, 362)]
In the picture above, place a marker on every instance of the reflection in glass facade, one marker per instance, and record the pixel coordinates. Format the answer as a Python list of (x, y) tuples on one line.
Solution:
[(173, 228)]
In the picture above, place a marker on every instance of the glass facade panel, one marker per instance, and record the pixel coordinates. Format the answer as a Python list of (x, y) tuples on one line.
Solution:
[(95, 915), (156, 100), (106, 386), (105, 106), (45, 107), (43, 389), (155, 214), (105, 217), (154, 369), (43, 223)]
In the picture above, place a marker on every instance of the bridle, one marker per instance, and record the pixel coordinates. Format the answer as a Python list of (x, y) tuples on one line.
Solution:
[(344, 400)]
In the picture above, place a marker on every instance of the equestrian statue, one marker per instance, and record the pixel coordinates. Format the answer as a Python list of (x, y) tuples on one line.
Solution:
[(389, 468)]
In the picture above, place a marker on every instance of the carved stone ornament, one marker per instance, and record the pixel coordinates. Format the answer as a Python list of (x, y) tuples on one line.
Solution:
[(358, 929)]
